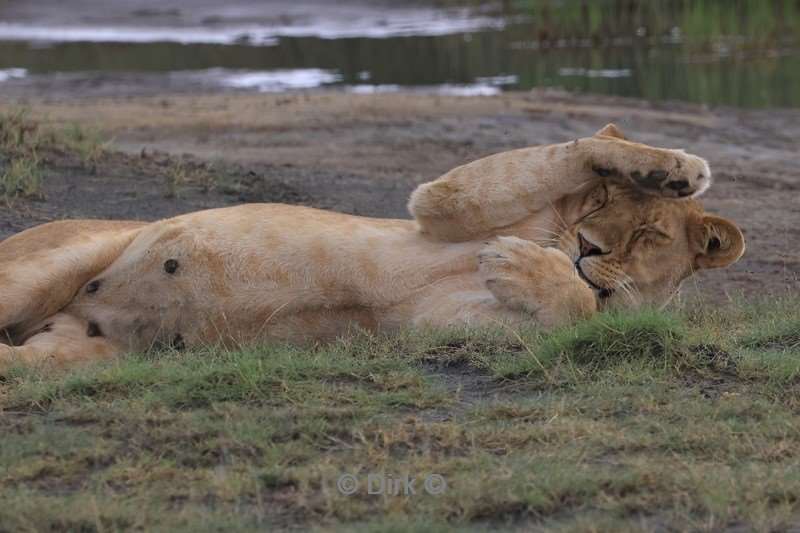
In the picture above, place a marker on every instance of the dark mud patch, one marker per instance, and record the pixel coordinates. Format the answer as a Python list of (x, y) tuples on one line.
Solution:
[(468, 354), (156, 185), (460, 367), (464, 385)]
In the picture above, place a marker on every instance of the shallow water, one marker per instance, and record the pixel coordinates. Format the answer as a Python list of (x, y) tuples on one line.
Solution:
[(733, 52)]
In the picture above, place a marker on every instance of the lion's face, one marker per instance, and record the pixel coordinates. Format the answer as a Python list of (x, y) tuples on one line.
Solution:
[(634, 249)]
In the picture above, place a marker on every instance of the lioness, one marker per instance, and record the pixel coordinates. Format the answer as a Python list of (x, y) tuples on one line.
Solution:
[(545, 234)]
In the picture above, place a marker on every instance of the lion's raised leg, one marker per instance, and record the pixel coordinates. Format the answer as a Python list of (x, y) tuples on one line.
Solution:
[(541, 282), (474, 200), (60, 340)]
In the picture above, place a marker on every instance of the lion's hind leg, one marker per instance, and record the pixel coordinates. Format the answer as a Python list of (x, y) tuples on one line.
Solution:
[(42, 268), (60, 340)]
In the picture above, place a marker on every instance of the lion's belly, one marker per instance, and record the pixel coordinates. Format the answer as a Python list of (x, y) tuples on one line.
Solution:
[(239, 275)]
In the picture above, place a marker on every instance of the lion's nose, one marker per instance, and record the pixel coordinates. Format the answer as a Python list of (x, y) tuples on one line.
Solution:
[(587, 247)]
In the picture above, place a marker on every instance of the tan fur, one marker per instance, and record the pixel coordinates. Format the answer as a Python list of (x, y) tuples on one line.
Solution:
[(43, 267), (85, 290), (60, 340), (477, 199)]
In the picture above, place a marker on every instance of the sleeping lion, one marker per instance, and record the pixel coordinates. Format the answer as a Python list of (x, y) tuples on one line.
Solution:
[(540, 235)]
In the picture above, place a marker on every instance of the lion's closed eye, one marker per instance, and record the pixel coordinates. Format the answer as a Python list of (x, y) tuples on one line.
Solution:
[(652, 236), (594, 202)]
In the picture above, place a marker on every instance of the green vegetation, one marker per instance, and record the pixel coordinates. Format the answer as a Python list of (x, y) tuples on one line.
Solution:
[(20, 167), (683, 420), (698, 20), (175, 177), (25, 146), (180, 172), (87, 143), (733, 52)]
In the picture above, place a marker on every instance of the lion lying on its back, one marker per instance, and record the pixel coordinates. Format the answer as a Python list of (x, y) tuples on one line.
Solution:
[(571, 228)]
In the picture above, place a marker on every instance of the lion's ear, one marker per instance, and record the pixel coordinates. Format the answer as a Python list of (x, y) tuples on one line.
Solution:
[(717, 242), (611, 130)]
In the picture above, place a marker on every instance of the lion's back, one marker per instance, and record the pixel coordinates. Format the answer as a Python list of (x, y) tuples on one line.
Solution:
[(58, 234)]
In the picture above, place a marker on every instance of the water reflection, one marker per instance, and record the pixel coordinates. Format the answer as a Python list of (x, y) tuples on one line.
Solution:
[(736, 52)]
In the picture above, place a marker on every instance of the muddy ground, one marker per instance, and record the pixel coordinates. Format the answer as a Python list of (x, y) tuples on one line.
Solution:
[(363, 154)]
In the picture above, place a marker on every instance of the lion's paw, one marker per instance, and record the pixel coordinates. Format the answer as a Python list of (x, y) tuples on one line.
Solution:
[(660, 172), (674, 174), (512, 254), (540, 281), (517, 271)]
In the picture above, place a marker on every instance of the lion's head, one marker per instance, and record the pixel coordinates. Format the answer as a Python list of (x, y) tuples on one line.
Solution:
[(634, 248), (624, 212)]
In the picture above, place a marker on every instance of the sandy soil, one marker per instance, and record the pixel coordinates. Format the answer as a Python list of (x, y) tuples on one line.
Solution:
[(364, 153)]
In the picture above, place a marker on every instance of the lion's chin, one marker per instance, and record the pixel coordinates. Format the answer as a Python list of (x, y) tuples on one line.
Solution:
[(602, 293)]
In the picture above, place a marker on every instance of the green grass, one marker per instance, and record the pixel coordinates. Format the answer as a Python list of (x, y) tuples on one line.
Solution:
[(685, 420), (174, 178), (180, 172), (87, 143), (20, 165), (26, 145)]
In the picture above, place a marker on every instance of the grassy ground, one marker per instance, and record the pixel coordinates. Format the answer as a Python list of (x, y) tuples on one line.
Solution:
[(26, 147), (662, 421), (29, 148)]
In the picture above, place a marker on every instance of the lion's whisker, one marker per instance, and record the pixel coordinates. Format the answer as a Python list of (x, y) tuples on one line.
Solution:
[(560, 218)]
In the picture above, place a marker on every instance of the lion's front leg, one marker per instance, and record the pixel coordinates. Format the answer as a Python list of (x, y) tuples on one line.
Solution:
[(475, 200), (543, 282)]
